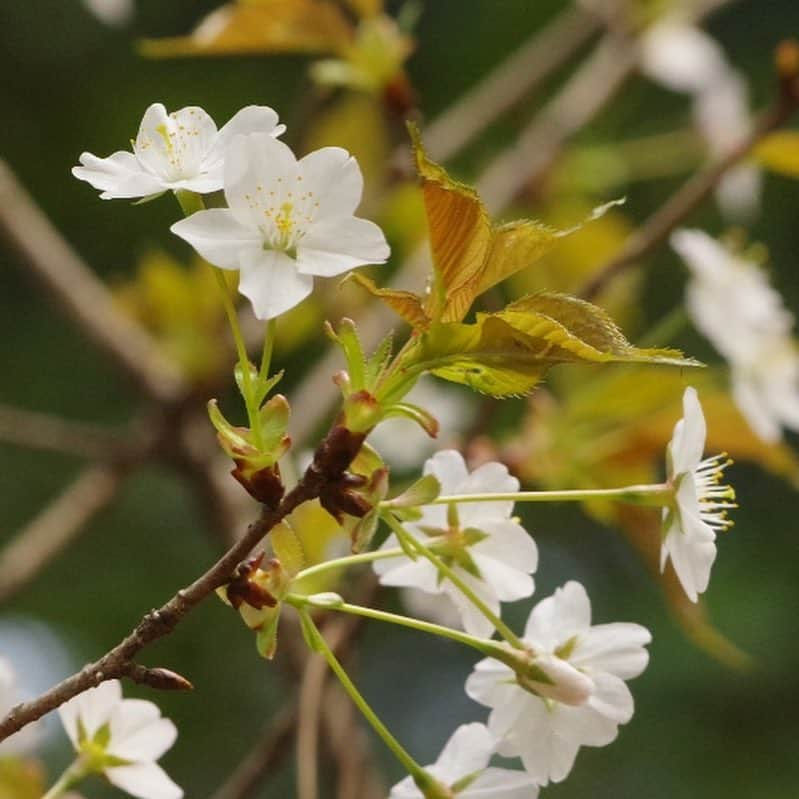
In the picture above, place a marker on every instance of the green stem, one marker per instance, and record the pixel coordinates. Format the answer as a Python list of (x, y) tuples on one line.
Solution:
[(484, 646), (350, 560), (450, 574), (190, 202), (657, 495), (266, 355), (408, 763), (72, 775)]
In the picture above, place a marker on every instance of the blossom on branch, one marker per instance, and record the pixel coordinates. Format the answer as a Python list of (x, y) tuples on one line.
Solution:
[(462, 767), (700, 503), (488, 550), (545, 731), (122, 739), (732, 303), (178, 151), (288, 220)]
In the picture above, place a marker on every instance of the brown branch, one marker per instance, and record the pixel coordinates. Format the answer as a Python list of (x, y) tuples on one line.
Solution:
[(331, 460), (80, 294), (58, 525), (44, 431), (686, 199), (273, 745)]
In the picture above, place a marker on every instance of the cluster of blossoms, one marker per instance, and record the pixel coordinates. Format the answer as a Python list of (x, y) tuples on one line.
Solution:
[(732, 303), (560, 685), (287, 220)]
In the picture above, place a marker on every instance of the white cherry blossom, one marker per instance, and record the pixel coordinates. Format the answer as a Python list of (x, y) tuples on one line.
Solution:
[(731, 301), (700, 501), (25, 740), (545, 732), (463, 763), (178, 151), (287, 221), (122, 739), (115, 13), (485, 547)]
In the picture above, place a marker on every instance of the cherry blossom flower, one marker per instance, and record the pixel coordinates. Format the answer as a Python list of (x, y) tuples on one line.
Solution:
[(463, 768), (485, 547), (178, 151), (700, 502), (287, 221), (547, 732), (111, 12), (731, 301), (122, 739)]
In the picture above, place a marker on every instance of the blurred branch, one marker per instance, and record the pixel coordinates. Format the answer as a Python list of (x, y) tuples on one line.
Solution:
[(270, 749), (691, 194), (44, 431), (80, 294), (515, 77), (57, 526)]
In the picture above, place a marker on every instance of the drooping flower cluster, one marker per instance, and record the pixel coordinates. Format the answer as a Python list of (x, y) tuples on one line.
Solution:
[(485, 547), (121, 739), (732, 303), (287, 220)]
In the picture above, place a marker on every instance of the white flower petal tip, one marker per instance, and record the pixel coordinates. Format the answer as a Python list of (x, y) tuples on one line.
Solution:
[(122, 739), (480, 541), (586, 698), (287, 221), (462, 767), (701, 502), (181, 150)]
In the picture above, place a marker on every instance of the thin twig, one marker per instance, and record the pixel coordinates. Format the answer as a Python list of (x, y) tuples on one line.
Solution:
[(687, 198), (80, 294), (44, 431), (269, 750), (57, 526), (331, 459)]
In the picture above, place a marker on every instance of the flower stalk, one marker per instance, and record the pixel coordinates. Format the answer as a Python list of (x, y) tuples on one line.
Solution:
[(71, 776)]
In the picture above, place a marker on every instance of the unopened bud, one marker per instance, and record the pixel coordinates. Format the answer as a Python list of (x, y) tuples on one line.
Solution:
[(555, 678), (160, 678)]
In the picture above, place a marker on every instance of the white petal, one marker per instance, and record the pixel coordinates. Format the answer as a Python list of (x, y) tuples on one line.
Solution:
[(474, 622), (690, 545), (218, 237), (270, 280), (491, 684), (405, 789), (259, 171), (510, 544), (250, 119), (681, 57), (490, 478), (501, 783), (689, 439), (508, 583), (144, 780), (584, 726), (449, 468), (118, 176), (611, 698), (468, 750), (138, 732), (558, 617), (615, 648), (419, 574), (338, 243), (438, 608), (335, 178), (96, 705)]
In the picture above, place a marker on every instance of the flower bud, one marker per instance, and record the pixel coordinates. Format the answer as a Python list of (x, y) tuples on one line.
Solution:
[(554, 678)]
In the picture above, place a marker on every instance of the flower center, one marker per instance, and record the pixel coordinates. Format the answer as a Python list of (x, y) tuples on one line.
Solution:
[(714, 498), (287, 211)]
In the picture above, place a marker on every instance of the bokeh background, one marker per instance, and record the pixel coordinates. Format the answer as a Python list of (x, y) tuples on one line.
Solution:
[(70, 83)]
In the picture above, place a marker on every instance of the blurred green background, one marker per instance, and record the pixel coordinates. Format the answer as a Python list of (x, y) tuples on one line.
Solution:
[(71, 84)]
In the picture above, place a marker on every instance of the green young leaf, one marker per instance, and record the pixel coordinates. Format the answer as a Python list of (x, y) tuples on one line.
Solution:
[(263, 387), (238, 374), (378, 362), (274, 421), (415, 413), (234, 439), (507, 353), (347, 338), (422, 492), (287, 548)]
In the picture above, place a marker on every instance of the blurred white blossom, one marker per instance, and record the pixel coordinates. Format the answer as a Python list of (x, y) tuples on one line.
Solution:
[(178, 151), (545, 732), (700, 502), (463, 764), (111, 12), (24, 741), (685, 59), (485, 547), (732, 303), (287, 221), (122, 739)]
